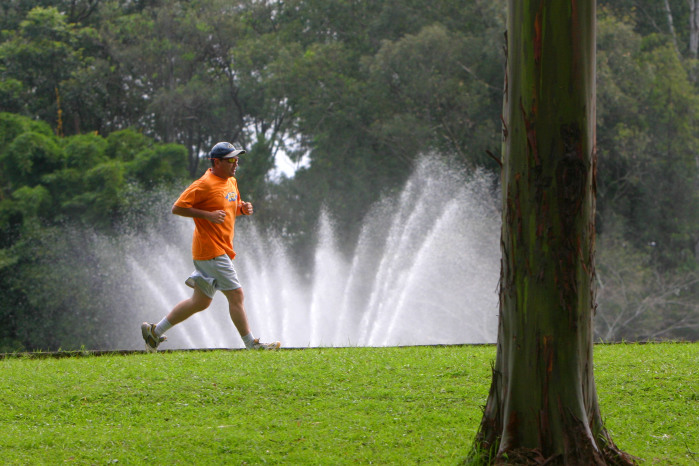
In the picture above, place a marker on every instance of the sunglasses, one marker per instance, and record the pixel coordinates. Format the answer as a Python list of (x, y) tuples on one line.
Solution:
[(231, 160)]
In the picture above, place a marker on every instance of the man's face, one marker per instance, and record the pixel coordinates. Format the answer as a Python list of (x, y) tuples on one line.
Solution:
[(227, 167)]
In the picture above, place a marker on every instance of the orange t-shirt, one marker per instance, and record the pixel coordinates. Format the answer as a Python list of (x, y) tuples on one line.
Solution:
[(211, 193)]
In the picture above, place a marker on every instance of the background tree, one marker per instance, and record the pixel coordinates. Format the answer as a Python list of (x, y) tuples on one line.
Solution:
[(678, 19), (42, 54), (361, 93), (542, 405), (647, 187), (160, 54), (636, 302), (56, 193)]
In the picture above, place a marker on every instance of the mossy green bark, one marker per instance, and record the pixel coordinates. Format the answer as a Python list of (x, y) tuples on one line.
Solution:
[(543, 403)]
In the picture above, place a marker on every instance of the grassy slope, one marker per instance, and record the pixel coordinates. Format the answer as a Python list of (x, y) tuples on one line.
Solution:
[(316, 406)]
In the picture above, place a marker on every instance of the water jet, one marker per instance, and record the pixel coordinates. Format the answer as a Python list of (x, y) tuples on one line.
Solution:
[(424, 271)]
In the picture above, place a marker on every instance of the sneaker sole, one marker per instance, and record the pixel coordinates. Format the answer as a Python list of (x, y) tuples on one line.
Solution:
[(147, 337), (271, 346)]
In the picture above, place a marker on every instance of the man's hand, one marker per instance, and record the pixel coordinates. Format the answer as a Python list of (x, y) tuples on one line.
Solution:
[(217, 216), (246, 208)]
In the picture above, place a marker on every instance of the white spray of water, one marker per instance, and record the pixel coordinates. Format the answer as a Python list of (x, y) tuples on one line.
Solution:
[(424, 271)]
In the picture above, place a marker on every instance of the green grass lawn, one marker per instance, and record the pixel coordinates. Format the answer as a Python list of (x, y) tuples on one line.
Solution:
[(404, 405)]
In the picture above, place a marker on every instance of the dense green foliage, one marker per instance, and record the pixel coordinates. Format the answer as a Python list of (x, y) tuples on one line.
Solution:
[(409, 405), (106, 101)]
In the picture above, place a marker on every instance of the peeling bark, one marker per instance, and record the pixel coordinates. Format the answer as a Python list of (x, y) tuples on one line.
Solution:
[(542, 406)]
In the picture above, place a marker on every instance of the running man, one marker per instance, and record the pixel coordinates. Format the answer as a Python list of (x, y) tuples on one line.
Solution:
[(213, 201)]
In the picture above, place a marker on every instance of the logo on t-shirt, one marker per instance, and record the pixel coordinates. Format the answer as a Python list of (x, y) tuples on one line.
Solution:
[(231, 196)]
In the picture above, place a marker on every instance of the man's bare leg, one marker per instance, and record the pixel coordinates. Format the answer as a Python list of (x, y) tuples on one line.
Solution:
[(187, 308), (236, 309)]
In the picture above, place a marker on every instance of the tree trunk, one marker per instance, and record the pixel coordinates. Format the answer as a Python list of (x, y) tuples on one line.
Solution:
[(542, 403), (693, 28), (671, 26)]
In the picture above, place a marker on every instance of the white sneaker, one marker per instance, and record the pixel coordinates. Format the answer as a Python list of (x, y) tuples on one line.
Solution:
[(256, 345), (152, 342)]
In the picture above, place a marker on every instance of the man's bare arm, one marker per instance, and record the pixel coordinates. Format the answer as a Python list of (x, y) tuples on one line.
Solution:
[(216, 216)]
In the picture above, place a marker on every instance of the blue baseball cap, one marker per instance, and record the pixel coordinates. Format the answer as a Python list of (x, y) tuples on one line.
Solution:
[(224, 150)]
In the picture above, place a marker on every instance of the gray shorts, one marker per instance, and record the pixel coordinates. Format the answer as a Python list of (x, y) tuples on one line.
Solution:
[(215, 274)]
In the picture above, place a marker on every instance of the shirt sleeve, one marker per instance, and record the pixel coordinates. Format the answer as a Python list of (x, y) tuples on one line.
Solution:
[(188, 197)]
